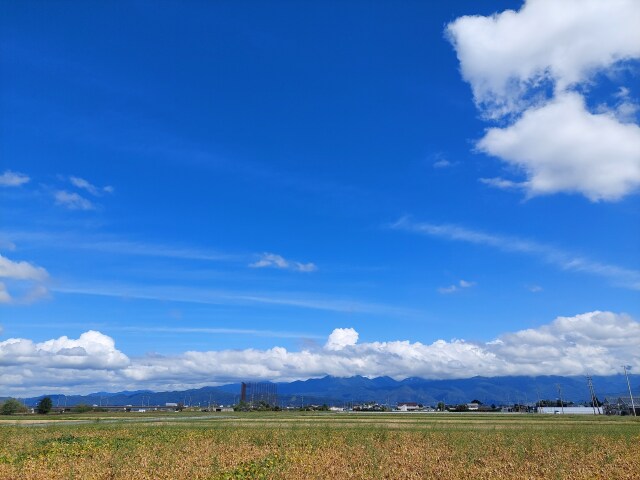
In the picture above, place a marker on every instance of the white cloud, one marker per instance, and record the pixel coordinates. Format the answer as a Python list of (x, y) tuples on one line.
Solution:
[(84, 184), (442, 163), (277, 261), (341, 338), (447, 290), (270, 260), (219, 331), (72, 201), (13, 179), (625, 110), (5, 296), (619, 276), (22, 273), (562, 147), (508, 55), (92, 350), (36, 293), (208, 296), (21, 270), (456, 287), (89, 187), (502, 183), (528, 66), (304, 267), (595, 343)]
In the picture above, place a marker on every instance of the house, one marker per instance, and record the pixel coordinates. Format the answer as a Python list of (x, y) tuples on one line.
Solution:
[(408, 406)]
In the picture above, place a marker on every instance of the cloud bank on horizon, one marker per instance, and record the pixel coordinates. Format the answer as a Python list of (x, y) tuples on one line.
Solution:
[(533, 69), (590, 343)]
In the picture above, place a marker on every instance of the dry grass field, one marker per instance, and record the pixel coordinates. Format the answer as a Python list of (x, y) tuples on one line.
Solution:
[(319, 446)]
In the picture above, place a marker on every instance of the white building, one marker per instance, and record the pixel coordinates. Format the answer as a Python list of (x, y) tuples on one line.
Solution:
[(580, 410), (408, 406)]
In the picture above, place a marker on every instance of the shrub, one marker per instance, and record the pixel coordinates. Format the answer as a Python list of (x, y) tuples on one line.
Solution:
[(82, 408)]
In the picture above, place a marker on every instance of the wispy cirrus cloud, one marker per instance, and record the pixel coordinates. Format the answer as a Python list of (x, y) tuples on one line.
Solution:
[(89, 187), (442, 163), (120, 245), (219, 331), (619, 276), (503, 183), (174, 293), (272, 260), (462, 284), (13, 179), (127, 247), (72, 200)]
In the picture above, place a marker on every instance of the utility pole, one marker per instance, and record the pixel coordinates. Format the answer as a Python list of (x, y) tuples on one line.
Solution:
[(633, 406), (560, 394), (592, 392)]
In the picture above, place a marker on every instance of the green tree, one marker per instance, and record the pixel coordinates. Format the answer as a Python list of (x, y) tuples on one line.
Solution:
[(11, 406), (44, 405), (241, 407)]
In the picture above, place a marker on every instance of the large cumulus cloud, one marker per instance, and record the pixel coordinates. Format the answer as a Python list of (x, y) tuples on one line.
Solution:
[(596, 343), (534, 69)]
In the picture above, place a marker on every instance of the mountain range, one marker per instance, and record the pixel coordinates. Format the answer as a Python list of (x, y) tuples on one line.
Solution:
[(384, 390)]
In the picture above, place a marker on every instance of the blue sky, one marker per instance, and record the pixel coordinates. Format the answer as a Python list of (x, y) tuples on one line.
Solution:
[(235, 180)]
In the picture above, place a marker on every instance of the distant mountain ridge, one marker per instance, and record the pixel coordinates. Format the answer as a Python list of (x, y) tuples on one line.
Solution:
[(339, 391)]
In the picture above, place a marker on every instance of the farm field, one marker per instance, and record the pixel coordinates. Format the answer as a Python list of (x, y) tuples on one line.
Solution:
[(318, 446)]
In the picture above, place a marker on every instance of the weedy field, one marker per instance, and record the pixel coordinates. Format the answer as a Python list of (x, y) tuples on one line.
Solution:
[(319, 446)]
